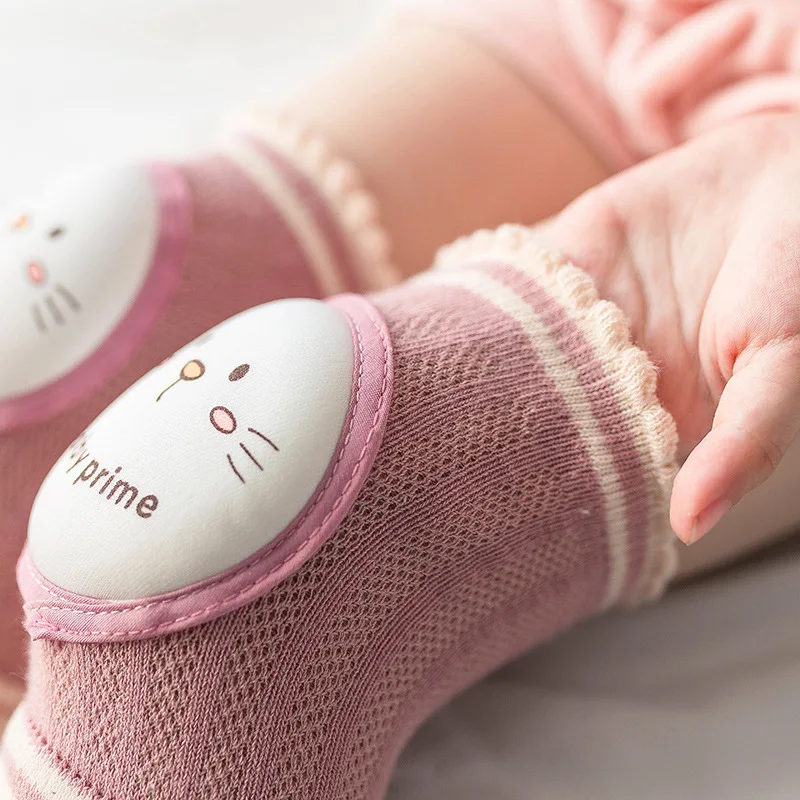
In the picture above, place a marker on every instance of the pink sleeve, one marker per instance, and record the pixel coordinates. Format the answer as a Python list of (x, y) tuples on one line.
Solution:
[(640, 76)]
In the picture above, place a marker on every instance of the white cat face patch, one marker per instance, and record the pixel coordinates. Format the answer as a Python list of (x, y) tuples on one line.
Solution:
[(73, 262), (204, 461)]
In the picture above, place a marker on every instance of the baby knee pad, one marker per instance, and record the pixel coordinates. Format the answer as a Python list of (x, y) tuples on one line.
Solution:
[(272, 558), (116, 266)]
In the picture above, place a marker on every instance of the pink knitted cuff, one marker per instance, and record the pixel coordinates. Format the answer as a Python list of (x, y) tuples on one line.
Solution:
[(548, 282), (353, 206)]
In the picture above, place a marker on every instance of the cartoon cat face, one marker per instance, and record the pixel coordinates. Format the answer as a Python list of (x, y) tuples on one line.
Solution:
[(222, 419), (225, 442), (53, 302), (73, 262)]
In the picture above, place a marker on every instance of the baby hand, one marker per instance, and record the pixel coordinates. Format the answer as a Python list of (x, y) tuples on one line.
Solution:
[(701, 248)]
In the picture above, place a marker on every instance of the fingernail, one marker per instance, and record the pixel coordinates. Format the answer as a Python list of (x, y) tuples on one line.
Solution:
[(708, 518)]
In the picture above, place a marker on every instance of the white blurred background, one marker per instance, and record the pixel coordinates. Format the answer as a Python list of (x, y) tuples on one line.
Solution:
[(695, 698), (89, 78)]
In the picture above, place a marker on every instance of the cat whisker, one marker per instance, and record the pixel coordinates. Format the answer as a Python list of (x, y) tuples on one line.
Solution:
[(38, 318), (251, 456), (174, 383), (70, 298), (54, 310), (268, 441), (235, 471)]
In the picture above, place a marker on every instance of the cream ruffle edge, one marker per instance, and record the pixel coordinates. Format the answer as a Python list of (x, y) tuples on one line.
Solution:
[(634, 375), (341, 184)]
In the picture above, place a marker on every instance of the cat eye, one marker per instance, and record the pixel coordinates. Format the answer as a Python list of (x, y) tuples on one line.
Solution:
[(239, 372), (190, 371), (193, 370), (56, 232)]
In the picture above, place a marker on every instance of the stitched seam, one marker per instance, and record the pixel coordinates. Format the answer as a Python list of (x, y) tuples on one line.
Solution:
[(297, 551), (49, 591)]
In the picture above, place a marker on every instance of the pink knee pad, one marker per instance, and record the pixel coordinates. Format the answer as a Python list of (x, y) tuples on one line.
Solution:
[(257, 583), (637, 77), (115, 267)]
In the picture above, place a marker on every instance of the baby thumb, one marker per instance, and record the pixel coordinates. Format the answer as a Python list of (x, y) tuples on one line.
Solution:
[(757, 418)]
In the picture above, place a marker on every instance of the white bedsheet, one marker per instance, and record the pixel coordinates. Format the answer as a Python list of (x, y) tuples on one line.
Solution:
[(698, 697)]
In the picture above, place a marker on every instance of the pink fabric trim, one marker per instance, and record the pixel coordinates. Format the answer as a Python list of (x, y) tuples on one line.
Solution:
[(124, 340), (52, 613)]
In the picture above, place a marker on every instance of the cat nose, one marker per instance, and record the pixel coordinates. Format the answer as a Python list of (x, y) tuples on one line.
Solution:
[(222, 419), (36, 273)]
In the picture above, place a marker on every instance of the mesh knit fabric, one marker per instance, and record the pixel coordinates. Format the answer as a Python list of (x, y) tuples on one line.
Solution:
[(520, 486), (268, 215)]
